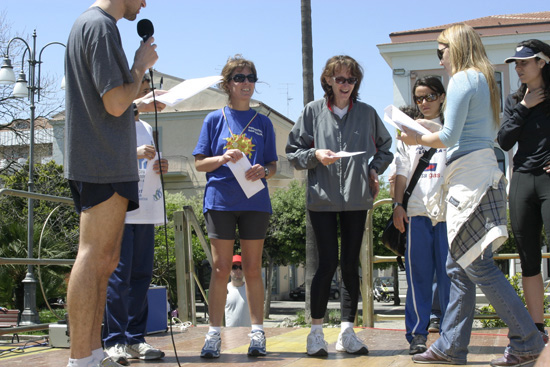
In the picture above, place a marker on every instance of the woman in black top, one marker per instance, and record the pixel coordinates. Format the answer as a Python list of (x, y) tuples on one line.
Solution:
[(527, 123)]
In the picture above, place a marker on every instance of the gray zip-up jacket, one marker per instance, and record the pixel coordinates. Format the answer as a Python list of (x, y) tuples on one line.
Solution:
[(344, 185)]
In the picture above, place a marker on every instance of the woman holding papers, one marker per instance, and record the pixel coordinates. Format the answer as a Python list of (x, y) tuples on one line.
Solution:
[(474, 205), (527, 123), (340, 190), (427, 247), (232, 135)]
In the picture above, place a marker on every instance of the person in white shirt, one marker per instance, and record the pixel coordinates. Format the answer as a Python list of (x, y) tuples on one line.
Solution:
[(427, 246), (236, 304), (126, 310)]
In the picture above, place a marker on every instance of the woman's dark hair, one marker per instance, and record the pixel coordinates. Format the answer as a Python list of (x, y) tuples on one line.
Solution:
[(537, 46), (434, 83), (336, 63)]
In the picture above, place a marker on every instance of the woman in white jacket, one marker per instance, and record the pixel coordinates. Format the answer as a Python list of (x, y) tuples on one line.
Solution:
[(427, 247)]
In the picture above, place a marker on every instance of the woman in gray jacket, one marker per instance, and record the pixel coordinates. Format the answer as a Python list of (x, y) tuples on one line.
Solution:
[(340, 190)]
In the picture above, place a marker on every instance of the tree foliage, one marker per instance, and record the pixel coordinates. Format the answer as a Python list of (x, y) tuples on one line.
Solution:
[(164, 265), (380, 217), (285, 240), (62, 225), (59, 233)]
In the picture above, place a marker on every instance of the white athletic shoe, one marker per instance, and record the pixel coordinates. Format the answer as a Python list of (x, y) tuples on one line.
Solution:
[(350, 343), (316, 344), (144, 351), (118, 354)]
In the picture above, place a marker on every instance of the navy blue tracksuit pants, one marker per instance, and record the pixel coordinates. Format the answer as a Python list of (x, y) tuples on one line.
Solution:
[(126, 311)]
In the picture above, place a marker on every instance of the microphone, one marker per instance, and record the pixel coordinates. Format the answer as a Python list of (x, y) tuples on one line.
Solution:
[(145, 29)]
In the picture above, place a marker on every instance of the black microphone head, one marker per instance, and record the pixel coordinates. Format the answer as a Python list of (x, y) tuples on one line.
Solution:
[(145, 29)]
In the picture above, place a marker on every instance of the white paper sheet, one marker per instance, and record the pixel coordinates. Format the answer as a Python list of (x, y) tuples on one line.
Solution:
[(343, 154), (239, 169), (398, 119), (149, 189), (186, 89)]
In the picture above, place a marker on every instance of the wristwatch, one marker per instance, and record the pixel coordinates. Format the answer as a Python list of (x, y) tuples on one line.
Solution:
[(395, 205), (266, 171)]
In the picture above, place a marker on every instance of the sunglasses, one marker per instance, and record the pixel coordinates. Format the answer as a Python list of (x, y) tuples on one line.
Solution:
[(342, 80), (235, 267), (440, 52), (428, 98), (239, 78)]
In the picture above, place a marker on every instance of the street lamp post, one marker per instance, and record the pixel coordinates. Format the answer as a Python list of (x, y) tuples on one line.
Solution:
[(28, 89)]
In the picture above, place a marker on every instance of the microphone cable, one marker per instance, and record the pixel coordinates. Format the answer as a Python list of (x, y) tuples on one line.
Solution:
[(165, 226)]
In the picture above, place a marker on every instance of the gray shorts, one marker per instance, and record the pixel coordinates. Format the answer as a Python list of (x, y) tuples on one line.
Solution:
[(221, 225)]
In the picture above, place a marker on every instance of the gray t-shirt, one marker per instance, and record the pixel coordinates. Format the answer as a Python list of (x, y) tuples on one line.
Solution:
[(100, 148)]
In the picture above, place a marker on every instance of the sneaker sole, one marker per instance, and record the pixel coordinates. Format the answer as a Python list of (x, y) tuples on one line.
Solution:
[(362, 351), (209, 356), (149, 358), (524, 364), (417, 351), (256, 353), (122, 361), (319, 353)]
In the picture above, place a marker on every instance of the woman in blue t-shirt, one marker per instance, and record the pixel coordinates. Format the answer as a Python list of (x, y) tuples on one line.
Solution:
[(234, 133)]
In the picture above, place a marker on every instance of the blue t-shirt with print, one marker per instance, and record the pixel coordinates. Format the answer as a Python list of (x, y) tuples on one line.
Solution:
[(222, 191)]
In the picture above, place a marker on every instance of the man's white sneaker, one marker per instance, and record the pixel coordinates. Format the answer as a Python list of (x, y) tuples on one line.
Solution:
[(144, 351), (212, 346), (118, 354), (316, 344), (350, 343)]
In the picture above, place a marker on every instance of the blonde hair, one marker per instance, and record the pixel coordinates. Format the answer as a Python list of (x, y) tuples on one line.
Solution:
[(467, 52)]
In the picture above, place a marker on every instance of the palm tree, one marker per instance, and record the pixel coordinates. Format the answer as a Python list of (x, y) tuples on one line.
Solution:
[(307, 77), (307, 52)]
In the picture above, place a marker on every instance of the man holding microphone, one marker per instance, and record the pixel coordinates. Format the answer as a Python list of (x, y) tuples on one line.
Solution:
[(100, 160)]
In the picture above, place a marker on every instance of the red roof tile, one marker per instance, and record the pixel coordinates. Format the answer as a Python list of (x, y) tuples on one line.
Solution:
[(491, 25)]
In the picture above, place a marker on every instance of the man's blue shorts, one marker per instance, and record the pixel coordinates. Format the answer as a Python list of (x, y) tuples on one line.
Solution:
[(87, 195)]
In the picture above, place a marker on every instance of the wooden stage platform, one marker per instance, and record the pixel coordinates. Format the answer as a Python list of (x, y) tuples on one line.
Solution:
[(285, 346)]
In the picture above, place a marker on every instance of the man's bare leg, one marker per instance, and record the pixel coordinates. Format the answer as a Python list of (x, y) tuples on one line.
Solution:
[(101, 229)]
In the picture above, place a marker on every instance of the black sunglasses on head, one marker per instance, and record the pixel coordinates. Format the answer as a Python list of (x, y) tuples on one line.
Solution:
[(235, 267), (239, 78), (440, 52)]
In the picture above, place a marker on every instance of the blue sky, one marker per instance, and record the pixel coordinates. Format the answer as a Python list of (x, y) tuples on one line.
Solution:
[(195, 38)]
